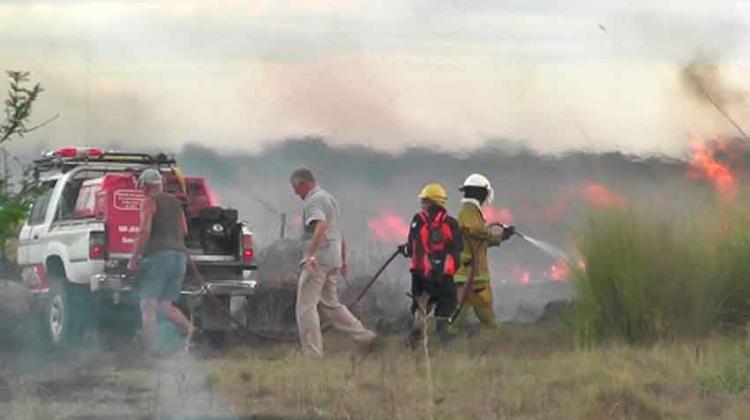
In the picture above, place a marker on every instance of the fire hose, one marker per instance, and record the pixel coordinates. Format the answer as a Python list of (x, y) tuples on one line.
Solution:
[(461, 300), (515, 231), (472, 274), (453, 318), (375, 277), (467, 287)]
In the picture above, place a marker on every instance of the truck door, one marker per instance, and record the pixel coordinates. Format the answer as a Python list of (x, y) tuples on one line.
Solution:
[(29, 244)]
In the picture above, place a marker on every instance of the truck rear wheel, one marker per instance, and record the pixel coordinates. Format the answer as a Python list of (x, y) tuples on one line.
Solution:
[(65, 313)]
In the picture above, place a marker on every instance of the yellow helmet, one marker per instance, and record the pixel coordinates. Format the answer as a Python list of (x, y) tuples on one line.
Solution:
[(435, 193)]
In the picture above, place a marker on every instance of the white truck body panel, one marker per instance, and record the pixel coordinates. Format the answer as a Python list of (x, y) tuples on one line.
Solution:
[(67, 240)]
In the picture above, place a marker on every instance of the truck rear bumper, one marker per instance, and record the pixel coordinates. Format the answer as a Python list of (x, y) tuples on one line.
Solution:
[(111, 283), (120, 283), (223, 288)]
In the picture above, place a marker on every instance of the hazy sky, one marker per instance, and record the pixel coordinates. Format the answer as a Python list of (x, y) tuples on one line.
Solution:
[(555, 74)]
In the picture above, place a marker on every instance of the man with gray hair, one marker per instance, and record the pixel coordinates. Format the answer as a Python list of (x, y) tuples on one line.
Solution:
[(161, 242), (324, 264)]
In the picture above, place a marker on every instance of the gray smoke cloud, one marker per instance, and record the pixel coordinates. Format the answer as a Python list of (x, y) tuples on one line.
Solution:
[(547, 195), (704, 80)]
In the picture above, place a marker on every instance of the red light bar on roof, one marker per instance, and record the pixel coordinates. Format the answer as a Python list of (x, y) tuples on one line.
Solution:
[(66, 152), (71, 152), (94, 153)]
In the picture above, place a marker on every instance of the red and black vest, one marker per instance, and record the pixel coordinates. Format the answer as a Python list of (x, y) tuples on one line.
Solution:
[(432, 244)]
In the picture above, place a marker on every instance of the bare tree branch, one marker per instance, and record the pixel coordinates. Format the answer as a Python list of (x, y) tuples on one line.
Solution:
[(43, 124)]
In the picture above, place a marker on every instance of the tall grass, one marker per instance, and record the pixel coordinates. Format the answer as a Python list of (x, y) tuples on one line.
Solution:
[(650, 276), (729, 288)]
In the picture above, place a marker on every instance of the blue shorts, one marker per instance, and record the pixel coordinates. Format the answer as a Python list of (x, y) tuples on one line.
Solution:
[(161, 274)]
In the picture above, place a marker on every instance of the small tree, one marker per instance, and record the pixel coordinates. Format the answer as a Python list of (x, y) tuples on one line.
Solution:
[(16, 198), (18, 106)]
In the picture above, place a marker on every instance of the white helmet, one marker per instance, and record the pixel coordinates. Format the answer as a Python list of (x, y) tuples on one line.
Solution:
[(479, 180)]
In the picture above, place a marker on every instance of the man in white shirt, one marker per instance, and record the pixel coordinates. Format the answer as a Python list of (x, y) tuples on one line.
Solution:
[(324, 262)]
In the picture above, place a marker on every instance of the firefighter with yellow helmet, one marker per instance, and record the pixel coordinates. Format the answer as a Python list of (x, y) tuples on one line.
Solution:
[(473, 277), (434, 245)]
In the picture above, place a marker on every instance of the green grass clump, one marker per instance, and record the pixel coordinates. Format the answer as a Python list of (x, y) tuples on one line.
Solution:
[(645, 278), (726, 370), (650, 277)]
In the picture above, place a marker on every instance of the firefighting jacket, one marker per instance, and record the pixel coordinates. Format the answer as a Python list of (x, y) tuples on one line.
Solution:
[(477, 238)]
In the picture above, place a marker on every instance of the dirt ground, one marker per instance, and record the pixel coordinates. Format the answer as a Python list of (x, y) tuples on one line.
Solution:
[(523, 372)]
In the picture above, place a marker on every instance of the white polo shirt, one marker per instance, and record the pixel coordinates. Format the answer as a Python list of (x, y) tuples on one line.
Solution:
[(321, 205)]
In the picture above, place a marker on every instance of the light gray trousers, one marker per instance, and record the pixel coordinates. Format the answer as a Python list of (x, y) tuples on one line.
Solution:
[(319, 290)]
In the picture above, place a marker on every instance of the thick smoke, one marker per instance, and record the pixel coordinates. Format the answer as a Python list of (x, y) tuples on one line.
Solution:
[(546, 196), (543, 192), (703, 79)]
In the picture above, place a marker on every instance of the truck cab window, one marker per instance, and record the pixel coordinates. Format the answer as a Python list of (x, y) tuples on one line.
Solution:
[(39, 208), (69, 199)]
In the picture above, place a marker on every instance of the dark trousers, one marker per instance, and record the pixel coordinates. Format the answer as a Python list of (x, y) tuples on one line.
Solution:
[(442, 292)]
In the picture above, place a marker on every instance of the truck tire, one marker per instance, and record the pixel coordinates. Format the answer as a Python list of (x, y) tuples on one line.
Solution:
[(65, 317)]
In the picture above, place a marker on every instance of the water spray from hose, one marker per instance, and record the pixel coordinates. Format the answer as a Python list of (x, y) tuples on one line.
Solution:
[(543, 246)]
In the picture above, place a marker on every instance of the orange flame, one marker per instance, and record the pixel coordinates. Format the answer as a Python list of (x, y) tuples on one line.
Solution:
[(525, 277), (601, 196), (520, 275), (497, 215), (389, 228), (703, 164), (559, 271)]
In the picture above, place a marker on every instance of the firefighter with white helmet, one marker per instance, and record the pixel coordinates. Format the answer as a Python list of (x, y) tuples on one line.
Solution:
[(473, 271)]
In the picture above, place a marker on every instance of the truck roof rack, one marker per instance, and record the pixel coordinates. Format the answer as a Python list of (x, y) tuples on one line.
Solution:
[(68, 158)]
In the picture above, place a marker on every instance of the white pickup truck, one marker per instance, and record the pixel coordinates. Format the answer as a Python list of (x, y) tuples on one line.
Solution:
[(74, 247)]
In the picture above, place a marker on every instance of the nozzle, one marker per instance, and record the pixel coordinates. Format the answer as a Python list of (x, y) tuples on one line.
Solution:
[(506, 226)]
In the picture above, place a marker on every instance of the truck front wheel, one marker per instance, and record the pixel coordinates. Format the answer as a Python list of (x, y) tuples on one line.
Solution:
[(65, 314)]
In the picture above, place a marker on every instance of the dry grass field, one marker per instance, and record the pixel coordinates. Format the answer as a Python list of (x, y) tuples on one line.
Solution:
[(524, 372)]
